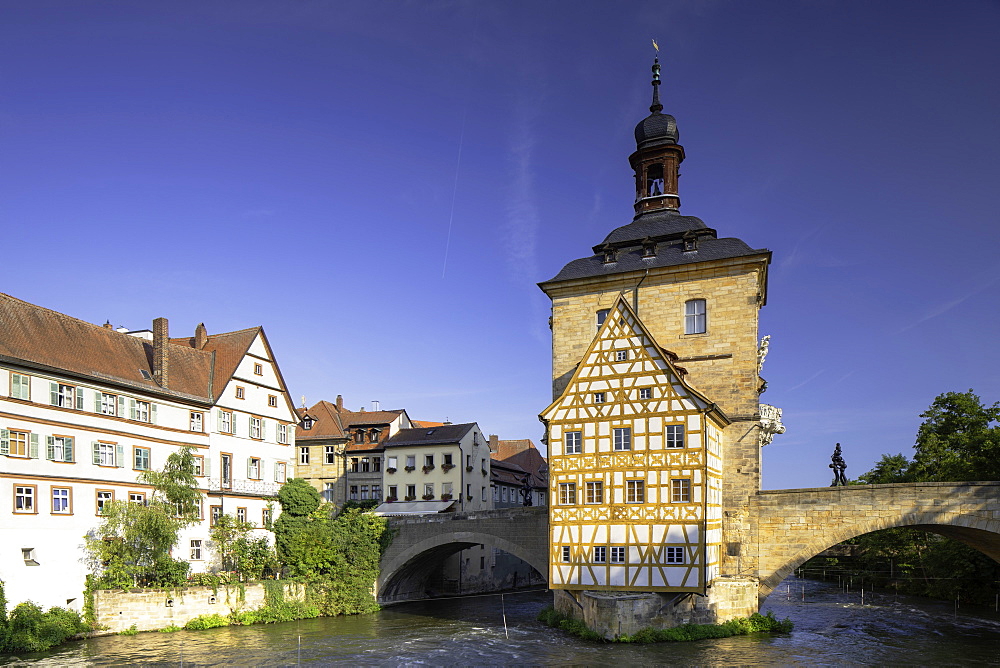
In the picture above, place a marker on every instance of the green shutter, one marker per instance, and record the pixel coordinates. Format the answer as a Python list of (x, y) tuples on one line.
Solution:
[(121, 406), (54, 394), (97, 401), (120, 456), (97, 452), (79, 398), (33, 447), (68, 450), (4, 442), (50, 447), (152, 413), (131, 408), (206, 468)]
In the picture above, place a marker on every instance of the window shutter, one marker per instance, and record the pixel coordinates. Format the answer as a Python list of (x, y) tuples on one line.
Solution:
[(33, 447), (119, 456), (97, 452), (249, 460), (24, 392), (68, 450), (98, 396), (79, 398), (54, 394), (4, 442), (50, 447), (263, 428), (121, 406), (152, 413), (206, 467), (131, 408), (218, 420)]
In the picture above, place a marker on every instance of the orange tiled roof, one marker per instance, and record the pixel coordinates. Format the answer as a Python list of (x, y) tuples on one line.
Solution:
[(423, 424), (523, 454), (42, 338)]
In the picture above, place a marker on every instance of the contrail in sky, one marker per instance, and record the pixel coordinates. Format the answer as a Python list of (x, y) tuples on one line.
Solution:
[(454, 192)]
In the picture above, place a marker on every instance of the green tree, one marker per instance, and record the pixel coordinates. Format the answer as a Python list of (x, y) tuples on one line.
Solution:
[(958, 440), (132, 545), (238, 550), (891, 468)]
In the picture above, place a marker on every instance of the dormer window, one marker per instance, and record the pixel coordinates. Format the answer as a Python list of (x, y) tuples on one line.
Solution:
[(690, 242), (609, 254), (307, 422), (359, 436), (648, 247), (373, 436)]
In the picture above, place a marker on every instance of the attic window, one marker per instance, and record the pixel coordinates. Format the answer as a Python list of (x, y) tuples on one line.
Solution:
[(609, 255), (648, 247), (430, 431), (145, 374), (307, 423), (690, 242)]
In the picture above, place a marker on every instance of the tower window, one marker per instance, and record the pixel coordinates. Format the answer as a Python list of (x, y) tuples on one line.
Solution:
[(654, 181), (694, 316)]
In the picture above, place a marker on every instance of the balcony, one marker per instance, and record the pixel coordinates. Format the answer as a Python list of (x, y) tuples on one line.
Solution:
[(256, 487)]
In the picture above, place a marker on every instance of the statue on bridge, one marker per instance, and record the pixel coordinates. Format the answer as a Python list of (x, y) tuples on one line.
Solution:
[(526, 491), (838, 466)]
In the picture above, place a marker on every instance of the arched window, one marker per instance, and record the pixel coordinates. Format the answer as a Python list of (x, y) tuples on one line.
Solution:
[(694, 316), (654, 181)]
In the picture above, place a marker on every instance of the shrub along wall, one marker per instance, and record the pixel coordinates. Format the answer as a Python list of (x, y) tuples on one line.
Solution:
[(151, 609)]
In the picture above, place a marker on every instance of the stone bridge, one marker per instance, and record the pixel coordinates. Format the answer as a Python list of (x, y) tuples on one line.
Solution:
[(794, 525), (421, 543)]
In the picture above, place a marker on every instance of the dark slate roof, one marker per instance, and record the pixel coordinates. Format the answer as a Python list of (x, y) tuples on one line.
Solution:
[(449, 433), (655, 130), (655, 224)]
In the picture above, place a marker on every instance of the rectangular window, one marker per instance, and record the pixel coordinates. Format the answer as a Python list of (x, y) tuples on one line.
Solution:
[(253, 468), (105, 454), (595, 492), (241, 514), (694, 316), (482, 493), (137, 497), (565, 553), (226, 460), (680, 490), (226, 422), (392, 492), (304, 454), (635, 491), (104, 497), (364, 492), (645, 393), (377, 492), (197, 422), (447, 460), (428, 461), (376, 464), (411, 462), (199, 465), (265, 517), (355, 465), (196, 549), (59, 449), (283, 434), (329, 454), (61, 497), (429, 489), (567, 493), (256, 430), (623, 438), (365, 464), (599, 397), (574, 442), (19, 386), (140, 459), (279, 470), (354, 492), (359, 436), (141, 413), (411, 492), (602, 315), (241, 393), (617, 554), (272, 400), (108, 405), (215, 512), (329, 489), (258, 369), (63, 396), (621, 355), (18, 442), (675, 555), (600, 554), (24, 498), (675, 436), (391, 463)]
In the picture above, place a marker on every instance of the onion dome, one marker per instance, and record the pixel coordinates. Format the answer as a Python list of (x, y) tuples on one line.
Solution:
[(657, 128)]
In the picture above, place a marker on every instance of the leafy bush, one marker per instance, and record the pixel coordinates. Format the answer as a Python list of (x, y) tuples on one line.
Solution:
[(28, 629), (130, 631), (170, 629), (206, 622)]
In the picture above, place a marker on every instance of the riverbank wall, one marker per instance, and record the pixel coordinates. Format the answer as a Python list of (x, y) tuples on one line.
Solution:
[(150, 609)]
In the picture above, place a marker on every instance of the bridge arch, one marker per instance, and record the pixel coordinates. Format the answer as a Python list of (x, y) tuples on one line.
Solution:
[(420, 545), (796, 525)]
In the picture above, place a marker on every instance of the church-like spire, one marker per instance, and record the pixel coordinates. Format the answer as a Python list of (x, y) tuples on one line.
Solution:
[(656, 107)]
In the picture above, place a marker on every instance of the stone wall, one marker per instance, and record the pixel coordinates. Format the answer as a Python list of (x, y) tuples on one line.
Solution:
[(151, 609), (614, 614)]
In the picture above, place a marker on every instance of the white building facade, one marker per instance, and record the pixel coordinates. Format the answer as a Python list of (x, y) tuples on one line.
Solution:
[(85, 409)]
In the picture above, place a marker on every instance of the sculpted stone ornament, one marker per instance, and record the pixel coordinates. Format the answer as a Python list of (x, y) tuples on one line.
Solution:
[(838, 466), (770, 423), (526, 491), (762, 352)]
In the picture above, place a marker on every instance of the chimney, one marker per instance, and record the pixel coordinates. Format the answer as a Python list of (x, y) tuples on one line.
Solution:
[(494, 443), (340, 403), (160, 353), (375, 405), (200, 336), (107, 325)]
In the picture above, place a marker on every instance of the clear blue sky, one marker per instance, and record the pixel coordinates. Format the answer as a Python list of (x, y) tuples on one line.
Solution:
[(380, 185)]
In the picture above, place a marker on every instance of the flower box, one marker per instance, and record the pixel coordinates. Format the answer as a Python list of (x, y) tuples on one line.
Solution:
[(427, 497), (428, 469), (469, 469), (410, 468), (409, 498), (447, 467), (446, 497), (390, 470)]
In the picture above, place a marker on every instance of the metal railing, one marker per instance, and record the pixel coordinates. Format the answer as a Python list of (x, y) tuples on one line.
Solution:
[(243, 486)]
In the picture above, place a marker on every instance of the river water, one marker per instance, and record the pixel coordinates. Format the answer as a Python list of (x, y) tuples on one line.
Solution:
[(832, 627)]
